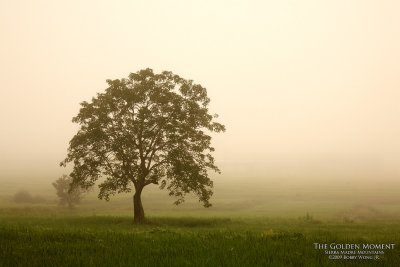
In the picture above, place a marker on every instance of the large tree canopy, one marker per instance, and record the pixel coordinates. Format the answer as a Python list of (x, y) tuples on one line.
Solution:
[(146, 129)]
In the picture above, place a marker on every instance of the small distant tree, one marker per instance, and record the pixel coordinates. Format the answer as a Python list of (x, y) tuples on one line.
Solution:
[(68, 195)]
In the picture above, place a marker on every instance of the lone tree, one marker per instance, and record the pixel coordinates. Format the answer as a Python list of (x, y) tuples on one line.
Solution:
[(68, 195), (146, 129)]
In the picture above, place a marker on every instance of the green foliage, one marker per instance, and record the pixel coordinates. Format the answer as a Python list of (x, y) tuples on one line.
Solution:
[(146, 129), (68, 196)]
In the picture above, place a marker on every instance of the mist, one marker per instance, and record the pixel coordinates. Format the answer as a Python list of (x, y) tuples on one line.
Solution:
[(308, 90)]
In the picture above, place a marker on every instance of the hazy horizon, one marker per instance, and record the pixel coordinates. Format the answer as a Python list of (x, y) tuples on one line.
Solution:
[(306, 89)]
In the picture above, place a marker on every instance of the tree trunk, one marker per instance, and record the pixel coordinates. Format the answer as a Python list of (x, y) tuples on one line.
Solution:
[(138, 212)]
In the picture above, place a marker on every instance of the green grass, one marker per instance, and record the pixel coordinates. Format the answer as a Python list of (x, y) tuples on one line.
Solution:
[(51, 239), (263, 224)]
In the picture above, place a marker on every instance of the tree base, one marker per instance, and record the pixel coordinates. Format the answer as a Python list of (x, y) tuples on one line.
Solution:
[(138, 212)]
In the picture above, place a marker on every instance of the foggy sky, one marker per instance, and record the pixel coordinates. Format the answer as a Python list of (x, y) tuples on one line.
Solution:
[(303, 87)]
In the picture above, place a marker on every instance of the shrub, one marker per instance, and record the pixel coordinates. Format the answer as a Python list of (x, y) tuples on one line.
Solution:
[(23, 196)]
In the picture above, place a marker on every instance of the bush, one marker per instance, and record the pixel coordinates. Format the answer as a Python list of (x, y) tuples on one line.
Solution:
[(24, 196)]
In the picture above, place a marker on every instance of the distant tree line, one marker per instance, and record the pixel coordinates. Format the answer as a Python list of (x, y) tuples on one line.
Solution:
[(67, 195)]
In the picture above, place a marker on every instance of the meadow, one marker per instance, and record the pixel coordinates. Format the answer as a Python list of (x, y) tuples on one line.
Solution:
[(263, 226)]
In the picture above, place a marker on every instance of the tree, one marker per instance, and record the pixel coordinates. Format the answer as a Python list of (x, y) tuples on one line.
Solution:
[(68, 195), (146, 129)]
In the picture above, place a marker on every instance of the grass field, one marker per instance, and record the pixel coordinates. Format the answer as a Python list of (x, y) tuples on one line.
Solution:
[(61, 240), (269, 227)]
